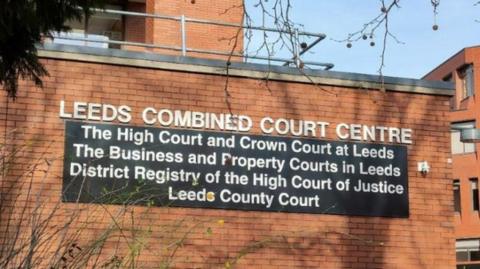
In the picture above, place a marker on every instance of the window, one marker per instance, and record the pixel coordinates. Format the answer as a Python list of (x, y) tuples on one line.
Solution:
[(462, 255), (466, 76), (100, 27), (474, 187), (456, 196), (457, 146), (468, 250)]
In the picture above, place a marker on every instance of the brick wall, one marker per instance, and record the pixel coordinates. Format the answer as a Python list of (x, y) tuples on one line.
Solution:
[(198, 36), (224, 238), (135, 26)]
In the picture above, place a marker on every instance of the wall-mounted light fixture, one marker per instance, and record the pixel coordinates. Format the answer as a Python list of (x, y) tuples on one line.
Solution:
[(423, 167)]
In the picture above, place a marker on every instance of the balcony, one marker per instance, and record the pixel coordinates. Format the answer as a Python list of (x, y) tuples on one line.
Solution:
[(130, 27)]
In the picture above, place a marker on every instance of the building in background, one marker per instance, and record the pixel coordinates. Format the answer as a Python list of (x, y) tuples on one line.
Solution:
[(463, 70)]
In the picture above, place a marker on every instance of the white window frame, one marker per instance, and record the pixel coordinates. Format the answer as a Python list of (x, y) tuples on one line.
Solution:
[(457, 146), (468, 246)]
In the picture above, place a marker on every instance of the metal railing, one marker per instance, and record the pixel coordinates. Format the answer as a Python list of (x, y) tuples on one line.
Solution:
[(297, 49)]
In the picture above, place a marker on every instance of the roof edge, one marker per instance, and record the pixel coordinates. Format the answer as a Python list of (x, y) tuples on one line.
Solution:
[(252, 70)]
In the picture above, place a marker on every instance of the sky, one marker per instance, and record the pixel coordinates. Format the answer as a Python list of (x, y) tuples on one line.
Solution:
[(422, 49)]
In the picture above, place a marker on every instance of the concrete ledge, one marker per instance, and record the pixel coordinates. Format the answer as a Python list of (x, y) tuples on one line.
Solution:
[(249, 70)]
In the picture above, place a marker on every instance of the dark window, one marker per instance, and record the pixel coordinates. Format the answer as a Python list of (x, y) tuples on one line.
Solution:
[(474, 187), (467, 251), (466, 76), (462, 256), (475, 255), (456, 196)]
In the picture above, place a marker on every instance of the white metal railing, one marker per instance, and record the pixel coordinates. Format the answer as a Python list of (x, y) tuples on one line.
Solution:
[(297, 50)]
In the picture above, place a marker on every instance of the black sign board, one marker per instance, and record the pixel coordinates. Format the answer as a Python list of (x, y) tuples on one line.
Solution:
[(119, 164)]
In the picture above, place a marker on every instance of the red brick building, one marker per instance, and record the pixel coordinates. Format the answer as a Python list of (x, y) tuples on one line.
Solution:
[(461, 69), (46, 229)]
